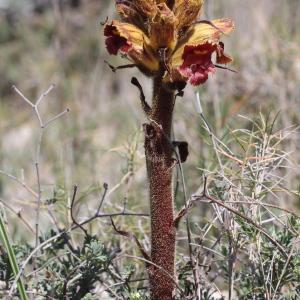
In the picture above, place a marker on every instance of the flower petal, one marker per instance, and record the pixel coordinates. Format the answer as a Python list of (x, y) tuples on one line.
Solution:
[(129, 39), (205, 32), (136, 12), (200, 34), (187, 11), (197, 63), (115, 41), (162, 28), (192, 58)]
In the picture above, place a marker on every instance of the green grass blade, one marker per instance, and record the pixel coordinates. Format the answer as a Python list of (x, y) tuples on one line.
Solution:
[(12, 258)]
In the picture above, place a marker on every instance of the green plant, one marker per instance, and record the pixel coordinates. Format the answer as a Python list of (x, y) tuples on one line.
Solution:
[(8, 255)]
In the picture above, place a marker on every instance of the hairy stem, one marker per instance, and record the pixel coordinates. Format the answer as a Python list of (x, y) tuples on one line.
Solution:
[(160, 164)]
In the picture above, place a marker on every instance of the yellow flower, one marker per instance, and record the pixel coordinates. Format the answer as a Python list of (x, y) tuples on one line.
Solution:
[(164, 37)]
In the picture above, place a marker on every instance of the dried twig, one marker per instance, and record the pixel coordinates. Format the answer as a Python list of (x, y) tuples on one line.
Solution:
[(37, 220), (156, 266), (21, 182), (188, 229), (105, 186), (19, 215), (236, 212), (132, 237), (43, 125), (289, 258), (72, 210), (267, 205)]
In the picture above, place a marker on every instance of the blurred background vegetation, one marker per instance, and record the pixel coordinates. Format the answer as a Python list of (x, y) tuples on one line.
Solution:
[(100, 140)]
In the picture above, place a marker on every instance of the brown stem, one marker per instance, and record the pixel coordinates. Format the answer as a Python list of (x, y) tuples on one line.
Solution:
[(160, 164)]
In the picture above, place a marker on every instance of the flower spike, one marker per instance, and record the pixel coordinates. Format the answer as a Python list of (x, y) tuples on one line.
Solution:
[(164, 36)]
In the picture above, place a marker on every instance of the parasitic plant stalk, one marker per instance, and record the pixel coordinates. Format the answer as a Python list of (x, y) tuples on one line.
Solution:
[(160, 163), (164, 40)]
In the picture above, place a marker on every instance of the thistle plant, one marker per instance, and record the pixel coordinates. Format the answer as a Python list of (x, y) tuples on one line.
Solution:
[(164, 40)]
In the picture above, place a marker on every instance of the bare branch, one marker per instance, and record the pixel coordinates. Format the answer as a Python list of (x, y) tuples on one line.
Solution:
[(37, 113), (22, 96), (267, 205), (72, 209), (56, 117), (248, 220), (176, 221), (288, 261), (37, 220), (105, 186), (132, 237), (18, 214), (51, 87), (21, 182), (42, 127)]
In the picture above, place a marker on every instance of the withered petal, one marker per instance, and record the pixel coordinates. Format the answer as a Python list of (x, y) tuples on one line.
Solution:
[(136, 12), (129, 39), (187, 11), (163, 27)]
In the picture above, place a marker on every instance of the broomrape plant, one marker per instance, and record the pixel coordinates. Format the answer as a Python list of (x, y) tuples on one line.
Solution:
[(243, 240), (164, 40)]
